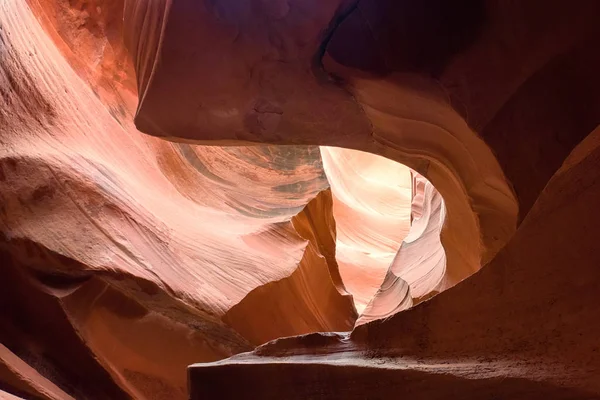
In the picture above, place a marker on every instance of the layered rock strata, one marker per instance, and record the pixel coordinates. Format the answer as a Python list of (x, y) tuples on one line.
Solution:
[(127, 256)]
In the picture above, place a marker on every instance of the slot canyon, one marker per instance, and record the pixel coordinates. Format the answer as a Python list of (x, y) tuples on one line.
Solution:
[(299, 199)]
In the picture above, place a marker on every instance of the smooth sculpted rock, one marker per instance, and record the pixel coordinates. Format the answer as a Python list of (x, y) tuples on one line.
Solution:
[(418, 269), (123, 253), (524, 327), (372, 207), (265, 77), (164, 200)]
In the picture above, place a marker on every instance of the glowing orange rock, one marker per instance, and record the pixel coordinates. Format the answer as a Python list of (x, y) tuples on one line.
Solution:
[(371, 205)]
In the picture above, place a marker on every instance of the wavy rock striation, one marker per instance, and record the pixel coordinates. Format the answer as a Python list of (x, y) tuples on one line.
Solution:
[(132, 252), (127, 256), (277, 92), (518, 340), (369, 228), (418, 270)]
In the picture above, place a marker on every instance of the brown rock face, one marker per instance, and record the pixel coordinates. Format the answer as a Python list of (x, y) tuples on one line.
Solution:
[(516, 341), (370, 228), (182, 181)]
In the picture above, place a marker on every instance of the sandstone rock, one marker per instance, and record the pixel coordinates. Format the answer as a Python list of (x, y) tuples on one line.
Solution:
[(495, 335), (164, 200)]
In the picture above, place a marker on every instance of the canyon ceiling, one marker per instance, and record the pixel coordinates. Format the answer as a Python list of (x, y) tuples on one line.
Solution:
[(299, 199)]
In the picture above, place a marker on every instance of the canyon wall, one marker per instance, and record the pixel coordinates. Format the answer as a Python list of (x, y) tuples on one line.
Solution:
[(164, 200)]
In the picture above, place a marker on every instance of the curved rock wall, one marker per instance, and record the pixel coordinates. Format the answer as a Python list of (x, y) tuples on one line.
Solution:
[(276, 92), (128, 241), (370, 227), (518, 340), (418, 270), (116, 243)]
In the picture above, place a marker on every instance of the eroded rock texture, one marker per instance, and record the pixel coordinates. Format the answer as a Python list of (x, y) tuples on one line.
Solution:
[(164, 200), (369, 228), (516, 341), (126, 258)]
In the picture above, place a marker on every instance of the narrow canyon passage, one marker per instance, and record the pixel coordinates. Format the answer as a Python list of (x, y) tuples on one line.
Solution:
[(371, 206), (388, 223), (132, 242), (364, 260), (299, 199)]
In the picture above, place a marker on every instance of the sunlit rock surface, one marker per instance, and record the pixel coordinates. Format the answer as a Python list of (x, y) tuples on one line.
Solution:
[(418, 270), (369, 228), (135, 249), (274, 78), (517, 341), (129, 251)]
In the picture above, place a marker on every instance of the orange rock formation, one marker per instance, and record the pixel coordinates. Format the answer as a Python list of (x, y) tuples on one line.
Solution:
[(182, 181), (370, 227)]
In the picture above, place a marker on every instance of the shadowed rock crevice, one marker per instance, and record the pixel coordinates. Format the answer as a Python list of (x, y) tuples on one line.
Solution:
[(384, 36), (59, 354), (312, 298)]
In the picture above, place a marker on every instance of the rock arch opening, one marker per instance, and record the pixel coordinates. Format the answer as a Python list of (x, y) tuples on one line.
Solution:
[(388, 223), (372, 228), (123, 260), (134, 245)]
